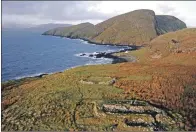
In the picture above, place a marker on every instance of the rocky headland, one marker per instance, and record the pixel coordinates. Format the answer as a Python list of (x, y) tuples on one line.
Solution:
[(138, 27)]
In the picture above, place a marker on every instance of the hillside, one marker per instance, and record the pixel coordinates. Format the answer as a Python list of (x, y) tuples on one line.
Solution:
[(157, 93), (181, 41), (84, 30), (173, 47), (133, 28), (171, 50)]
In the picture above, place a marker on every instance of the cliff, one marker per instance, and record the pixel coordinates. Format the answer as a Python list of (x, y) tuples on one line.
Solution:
[(167, 23)]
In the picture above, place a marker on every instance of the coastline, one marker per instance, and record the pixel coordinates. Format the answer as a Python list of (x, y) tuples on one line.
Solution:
[(96, 43), (116, 59), (110, 55)]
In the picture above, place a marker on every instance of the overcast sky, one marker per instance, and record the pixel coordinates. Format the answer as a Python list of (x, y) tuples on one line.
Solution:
[(74, 12)]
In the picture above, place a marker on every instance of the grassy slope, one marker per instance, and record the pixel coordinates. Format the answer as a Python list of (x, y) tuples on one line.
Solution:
[(135, 27), (49, 103), (165, 48), (61, 102)]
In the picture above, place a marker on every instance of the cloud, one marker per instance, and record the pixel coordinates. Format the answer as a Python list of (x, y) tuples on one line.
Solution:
[(51, 11), (166, 9), (169, 9), (74, 12)]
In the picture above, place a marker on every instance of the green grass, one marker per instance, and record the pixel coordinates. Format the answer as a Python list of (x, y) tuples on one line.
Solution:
[(140, 54), (50, 102)]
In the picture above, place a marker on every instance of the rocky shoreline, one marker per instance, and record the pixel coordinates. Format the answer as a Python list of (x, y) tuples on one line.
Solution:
[(93, 42), (109, 55)]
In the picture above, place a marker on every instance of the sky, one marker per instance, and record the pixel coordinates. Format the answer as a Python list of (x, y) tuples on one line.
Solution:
[(28, 13)]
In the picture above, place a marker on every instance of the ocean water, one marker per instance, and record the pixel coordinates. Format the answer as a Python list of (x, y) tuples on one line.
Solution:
[(26, 53)]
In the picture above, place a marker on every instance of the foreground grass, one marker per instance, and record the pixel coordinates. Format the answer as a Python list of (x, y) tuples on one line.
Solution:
[(49, 103), (61, 102)]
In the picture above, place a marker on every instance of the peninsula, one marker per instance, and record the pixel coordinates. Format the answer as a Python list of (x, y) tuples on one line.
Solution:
[(138, 27)]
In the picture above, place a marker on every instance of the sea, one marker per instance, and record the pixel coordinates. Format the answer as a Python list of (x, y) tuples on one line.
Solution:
[(27, 54)]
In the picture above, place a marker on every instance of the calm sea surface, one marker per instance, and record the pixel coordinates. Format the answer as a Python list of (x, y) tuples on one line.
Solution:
[(26, 53)]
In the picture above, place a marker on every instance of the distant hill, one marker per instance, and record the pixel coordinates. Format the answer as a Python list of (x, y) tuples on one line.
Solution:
[(15, 26), (44, 27), (38, 28), (133, 28), (83, 30)]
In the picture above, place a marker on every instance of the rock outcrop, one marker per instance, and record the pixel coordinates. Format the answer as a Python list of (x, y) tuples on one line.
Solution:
[(133, 28)]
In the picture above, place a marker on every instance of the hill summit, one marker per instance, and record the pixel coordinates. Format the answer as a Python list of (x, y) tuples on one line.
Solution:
[(133, 28)]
